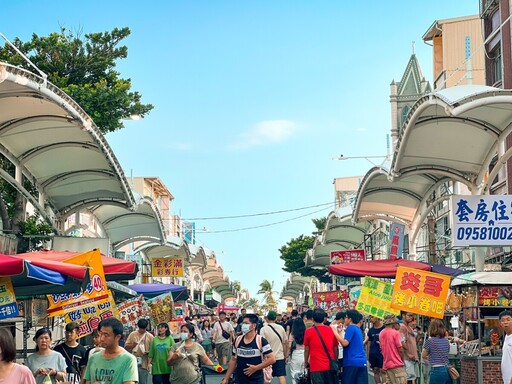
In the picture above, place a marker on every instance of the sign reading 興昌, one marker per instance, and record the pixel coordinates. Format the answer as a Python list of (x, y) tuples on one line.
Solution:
[(375, 298), (344, 257), (420, 292), (482, 220), (8, 304), (331, 301), (171, 266)]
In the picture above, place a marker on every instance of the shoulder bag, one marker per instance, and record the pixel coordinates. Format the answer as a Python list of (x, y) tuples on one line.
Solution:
[(333, 363), (452, 371), (225, 334)]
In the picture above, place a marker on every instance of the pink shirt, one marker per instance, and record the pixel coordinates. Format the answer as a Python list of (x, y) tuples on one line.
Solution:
[(390, 346), (19, 375)]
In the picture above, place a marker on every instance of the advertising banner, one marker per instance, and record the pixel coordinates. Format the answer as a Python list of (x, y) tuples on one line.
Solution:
[(88, 318), (495, 296), (131, 310), (170, 266), (420, 292), (344, 257), (396, 241), (332, 301), (481, 220), (375, 298), (161, 308), (8, 304), (96, 291)]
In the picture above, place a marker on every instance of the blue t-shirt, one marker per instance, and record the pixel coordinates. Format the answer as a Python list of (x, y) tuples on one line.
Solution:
[(354, 354), (373, 337)]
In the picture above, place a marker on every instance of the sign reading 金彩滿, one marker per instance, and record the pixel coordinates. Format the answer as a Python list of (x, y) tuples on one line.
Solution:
[(344, 257), (482, 220), (331, 301), (420, 292), (171, 266), (375, 298), (8, 304)]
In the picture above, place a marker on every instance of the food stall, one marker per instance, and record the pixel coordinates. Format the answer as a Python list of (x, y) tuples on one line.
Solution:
[(481, 296)]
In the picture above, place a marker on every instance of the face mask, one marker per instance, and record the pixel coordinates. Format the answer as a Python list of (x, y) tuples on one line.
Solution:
[(246, 328), (184, 336)]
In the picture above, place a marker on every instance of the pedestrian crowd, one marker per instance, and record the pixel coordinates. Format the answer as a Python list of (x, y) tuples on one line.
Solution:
[(305, 347)]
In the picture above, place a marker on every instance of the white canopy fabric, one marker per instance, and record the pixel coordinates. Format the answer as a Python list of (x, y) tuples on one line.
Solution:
[(482, 278), (294, 286), (56, 146)]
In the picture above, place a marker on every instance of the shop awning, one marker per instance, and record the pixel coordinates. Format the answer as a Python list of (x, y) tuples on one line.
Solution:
[(115, 269), (482, 278), (178, 292), (388, 268)]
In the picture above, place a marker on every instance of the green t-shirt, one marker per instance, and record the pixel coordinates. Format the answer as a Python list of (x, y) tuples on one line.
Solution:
[(186, 369), (159, 352), (112, 371)]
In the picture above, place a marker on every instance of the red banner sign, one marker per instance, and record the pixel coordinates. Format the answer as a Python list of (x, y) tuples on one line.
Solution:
[(332, 301), (344, 257)]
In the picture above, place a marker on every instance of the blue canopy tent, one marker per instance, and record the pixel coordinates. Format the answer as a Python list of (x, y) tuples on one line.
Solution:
[(149, 291)]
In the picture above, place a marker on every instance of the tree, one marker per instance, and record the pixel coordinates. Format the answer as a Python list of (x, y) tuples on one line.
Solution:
[(267, 289), (84, 68), (294, 252)]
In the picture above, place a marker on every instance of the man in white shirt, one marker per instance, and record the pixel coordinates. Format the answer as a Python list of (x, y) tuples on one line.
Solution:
[(506, 357), (223, 336), (276, 336)]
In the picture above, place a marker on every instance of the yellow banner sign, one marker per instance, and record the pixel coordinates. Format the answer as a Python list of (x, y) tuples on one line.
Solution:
[(420, 292), (95, 292), (170, 266), (88, 318), (8, 304), (375, 298)]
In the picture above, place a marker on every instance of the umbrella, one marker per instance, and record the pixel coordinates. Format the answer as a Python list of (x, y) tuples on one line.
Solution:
[(30, 280), (178, 292), (115, 269), (387, 268)]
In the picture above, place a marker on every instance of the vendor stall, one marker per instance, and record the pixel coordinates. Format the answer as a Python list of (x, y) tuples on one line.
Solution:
[(479, 297)]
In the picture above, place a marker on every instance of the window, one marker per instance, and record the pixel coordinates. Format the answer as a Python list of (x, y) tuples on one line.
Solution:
[(497, 73)]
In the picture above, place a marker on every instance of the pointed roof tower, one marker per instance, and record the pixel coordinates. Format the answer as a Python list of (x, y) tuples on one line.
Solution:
[(404, 93)]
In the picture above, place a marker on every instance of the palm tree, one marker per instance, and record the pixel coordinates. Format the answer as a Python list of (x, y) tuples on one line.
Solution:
[(253, 304), (267, 289)]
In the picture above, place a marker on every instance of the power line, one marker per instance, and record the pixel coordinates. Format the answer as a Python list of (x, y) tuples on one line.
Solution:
[(264, 225), (257, 214)]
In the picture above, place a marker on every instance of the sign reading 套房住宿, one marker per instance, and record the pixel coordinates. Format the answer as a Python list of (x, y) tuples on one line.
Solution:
[(482, 220)]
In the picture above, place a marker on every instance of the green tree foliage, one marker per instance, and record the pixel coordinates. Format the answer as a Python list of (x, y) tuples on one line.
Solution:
[(35, 233), (294, 252), (84, 68)]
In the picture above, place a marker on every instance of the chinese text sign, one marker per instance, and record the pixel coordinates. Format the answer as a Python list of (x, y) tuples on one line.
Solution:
[(170, 266), (375, 298), (482, 220), (331, 301), (344, 257), (8, 304), (396, 240), (420, 292)]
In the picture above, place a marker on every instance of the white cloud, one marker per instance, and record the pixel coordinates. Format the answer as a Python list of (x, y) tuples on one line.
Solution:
[(266, 132)]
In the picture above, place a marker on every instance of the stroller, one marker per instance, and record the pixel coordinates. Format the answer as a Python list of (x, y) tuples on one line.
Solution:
[(212, 370)]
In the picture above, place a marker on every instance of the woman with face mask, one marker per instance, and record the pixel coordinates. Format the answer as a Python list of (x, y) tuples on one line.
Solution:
[(184, 358)]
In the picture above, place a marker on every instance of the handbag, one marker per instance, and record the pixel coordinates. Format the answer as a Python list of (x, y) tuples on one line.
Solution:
[(452, 371), (225, 334), (333, 363), (303, 378)]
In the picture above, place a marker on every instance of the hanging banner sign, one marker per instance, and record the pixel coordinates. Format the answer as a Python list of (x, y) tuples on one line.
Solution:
[(420, 292), (344, 257), (8, 304), (170, 266), (161, 308), (396, 240), (332, 301), (375, 298), (481, 220), (88, 318), (131, 310), (95, 292)]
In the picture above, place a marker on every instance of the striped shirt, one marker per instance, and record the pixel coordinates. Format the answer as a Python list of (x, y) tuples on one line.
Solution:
[(439, 355)]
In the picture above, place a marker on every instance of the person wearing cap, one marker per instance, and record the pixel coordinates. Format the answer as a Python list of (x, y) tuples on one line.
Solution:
[(158, 352), (392, 351), (276, 336), (73, 353)]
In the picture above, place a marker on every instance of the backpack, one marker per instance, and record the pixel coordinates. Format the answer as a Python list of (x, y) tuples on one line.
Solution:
[(267, 371)]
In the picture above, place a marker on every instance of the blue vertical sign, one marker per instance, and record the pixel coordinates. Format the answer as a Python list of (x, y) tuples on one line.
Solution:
[(396, 241)]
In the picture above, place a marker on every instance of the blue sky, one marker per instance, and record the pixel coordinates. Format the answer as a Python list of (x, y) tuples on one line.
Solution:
[(252, 100)]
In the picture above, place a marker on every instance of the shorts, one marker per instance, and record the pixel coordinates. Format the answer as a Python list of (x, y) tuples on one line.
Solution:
[(411, 369), (279, 368), (223, 349), (396, 376), (376, 360)]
